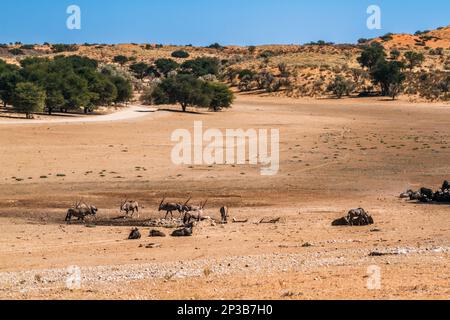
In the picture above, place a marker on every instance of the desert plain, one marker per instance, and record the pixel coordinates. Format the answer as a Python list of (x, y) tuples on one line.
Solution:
[(335, 155)]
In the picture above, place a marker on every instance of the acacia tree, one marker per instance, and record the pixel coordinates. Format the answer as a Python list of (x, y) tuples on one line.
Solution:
[(220, 95), (201, 66), (187, 91), (124, 89), (414, 59), (389, 75), (140, 69), (165, 66), (371, 55), (28, 98)]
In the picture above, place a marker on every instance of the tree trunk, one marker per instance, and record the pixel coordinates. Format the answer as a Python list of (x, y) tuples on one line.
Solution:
[(50, 111), (184, 107)]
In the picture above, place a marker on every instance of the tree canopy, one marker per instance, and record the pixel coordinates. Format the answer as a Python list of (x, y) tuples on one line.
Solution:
[(68, 83), (187, 90)]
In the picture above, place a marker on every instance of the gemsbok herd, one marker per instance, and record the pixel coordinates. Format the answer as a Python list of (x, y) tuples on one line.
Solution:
[(81, 210)]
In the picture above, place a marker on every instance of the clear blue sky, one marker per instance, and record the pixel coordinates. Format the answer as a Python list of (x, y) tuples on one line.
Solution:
[(202, 22)]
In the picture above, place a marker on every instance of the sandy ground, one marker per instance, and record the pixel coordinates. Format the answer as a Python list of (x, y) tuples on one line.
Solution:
[(131, 112), (335, 155)]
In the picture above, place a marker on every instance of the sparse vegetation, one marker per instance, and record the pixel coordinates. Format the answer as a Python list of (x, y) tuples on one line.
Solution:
[(59, 48), (341, 86), (414, 59), (121, 59)]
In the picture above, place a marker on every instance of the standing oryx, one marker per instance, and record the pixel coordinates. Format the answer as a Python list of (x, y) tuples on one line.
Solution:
[(130, 206), (224, 214), (194, 212), (169, 208), (81, 211)]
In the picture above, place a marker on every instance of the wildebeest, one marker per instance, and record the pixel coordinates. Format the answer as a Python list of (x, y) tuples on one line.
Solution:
[(135, 234), (355, 217), (224, 214), (156, 233), (427, 195), (130, 206), (81, 212), (169, 208), (184, 232), (445, 186), (407, 194)]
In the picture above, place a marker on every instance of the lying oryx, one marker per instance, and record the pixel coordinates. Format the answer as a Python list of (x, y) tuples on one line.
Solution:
[(130, 206), (81, 212)]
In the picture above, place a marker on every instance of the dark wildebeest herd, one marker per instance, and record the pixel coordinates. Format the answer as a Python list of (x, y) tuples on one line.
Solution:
[(426, 195)]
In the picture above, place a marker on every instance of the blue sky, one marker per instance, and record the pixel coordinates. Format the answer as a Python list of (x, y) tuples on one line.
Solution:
[(202, 22)]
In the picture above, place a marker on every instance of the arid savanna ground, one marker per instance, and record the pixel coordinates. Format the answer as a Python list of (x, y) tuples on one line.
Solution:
[(334, 155)]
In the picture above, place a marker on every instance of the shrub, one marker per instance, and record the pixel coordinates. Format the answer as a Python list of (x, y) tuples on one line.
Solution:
[(216, 46), (387, 37), (266, 54), (120, 59), (180, 54), (252, 49), (58, 48), (395, 54), (414, 59), (27, 47), (341, 86), (16, 52)]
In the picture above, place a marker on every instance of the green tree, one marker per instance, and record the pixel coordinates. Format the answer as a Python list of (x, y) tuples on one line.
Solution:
[(371, 55), (124, 89), (202, 66), (54, 95), (28, 98), (76, 92), (103, 92), (220, 95), (165, 66), (414, 59), (140, 69), (189, 91), (389, 75), (9, 77), (183, 89)]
